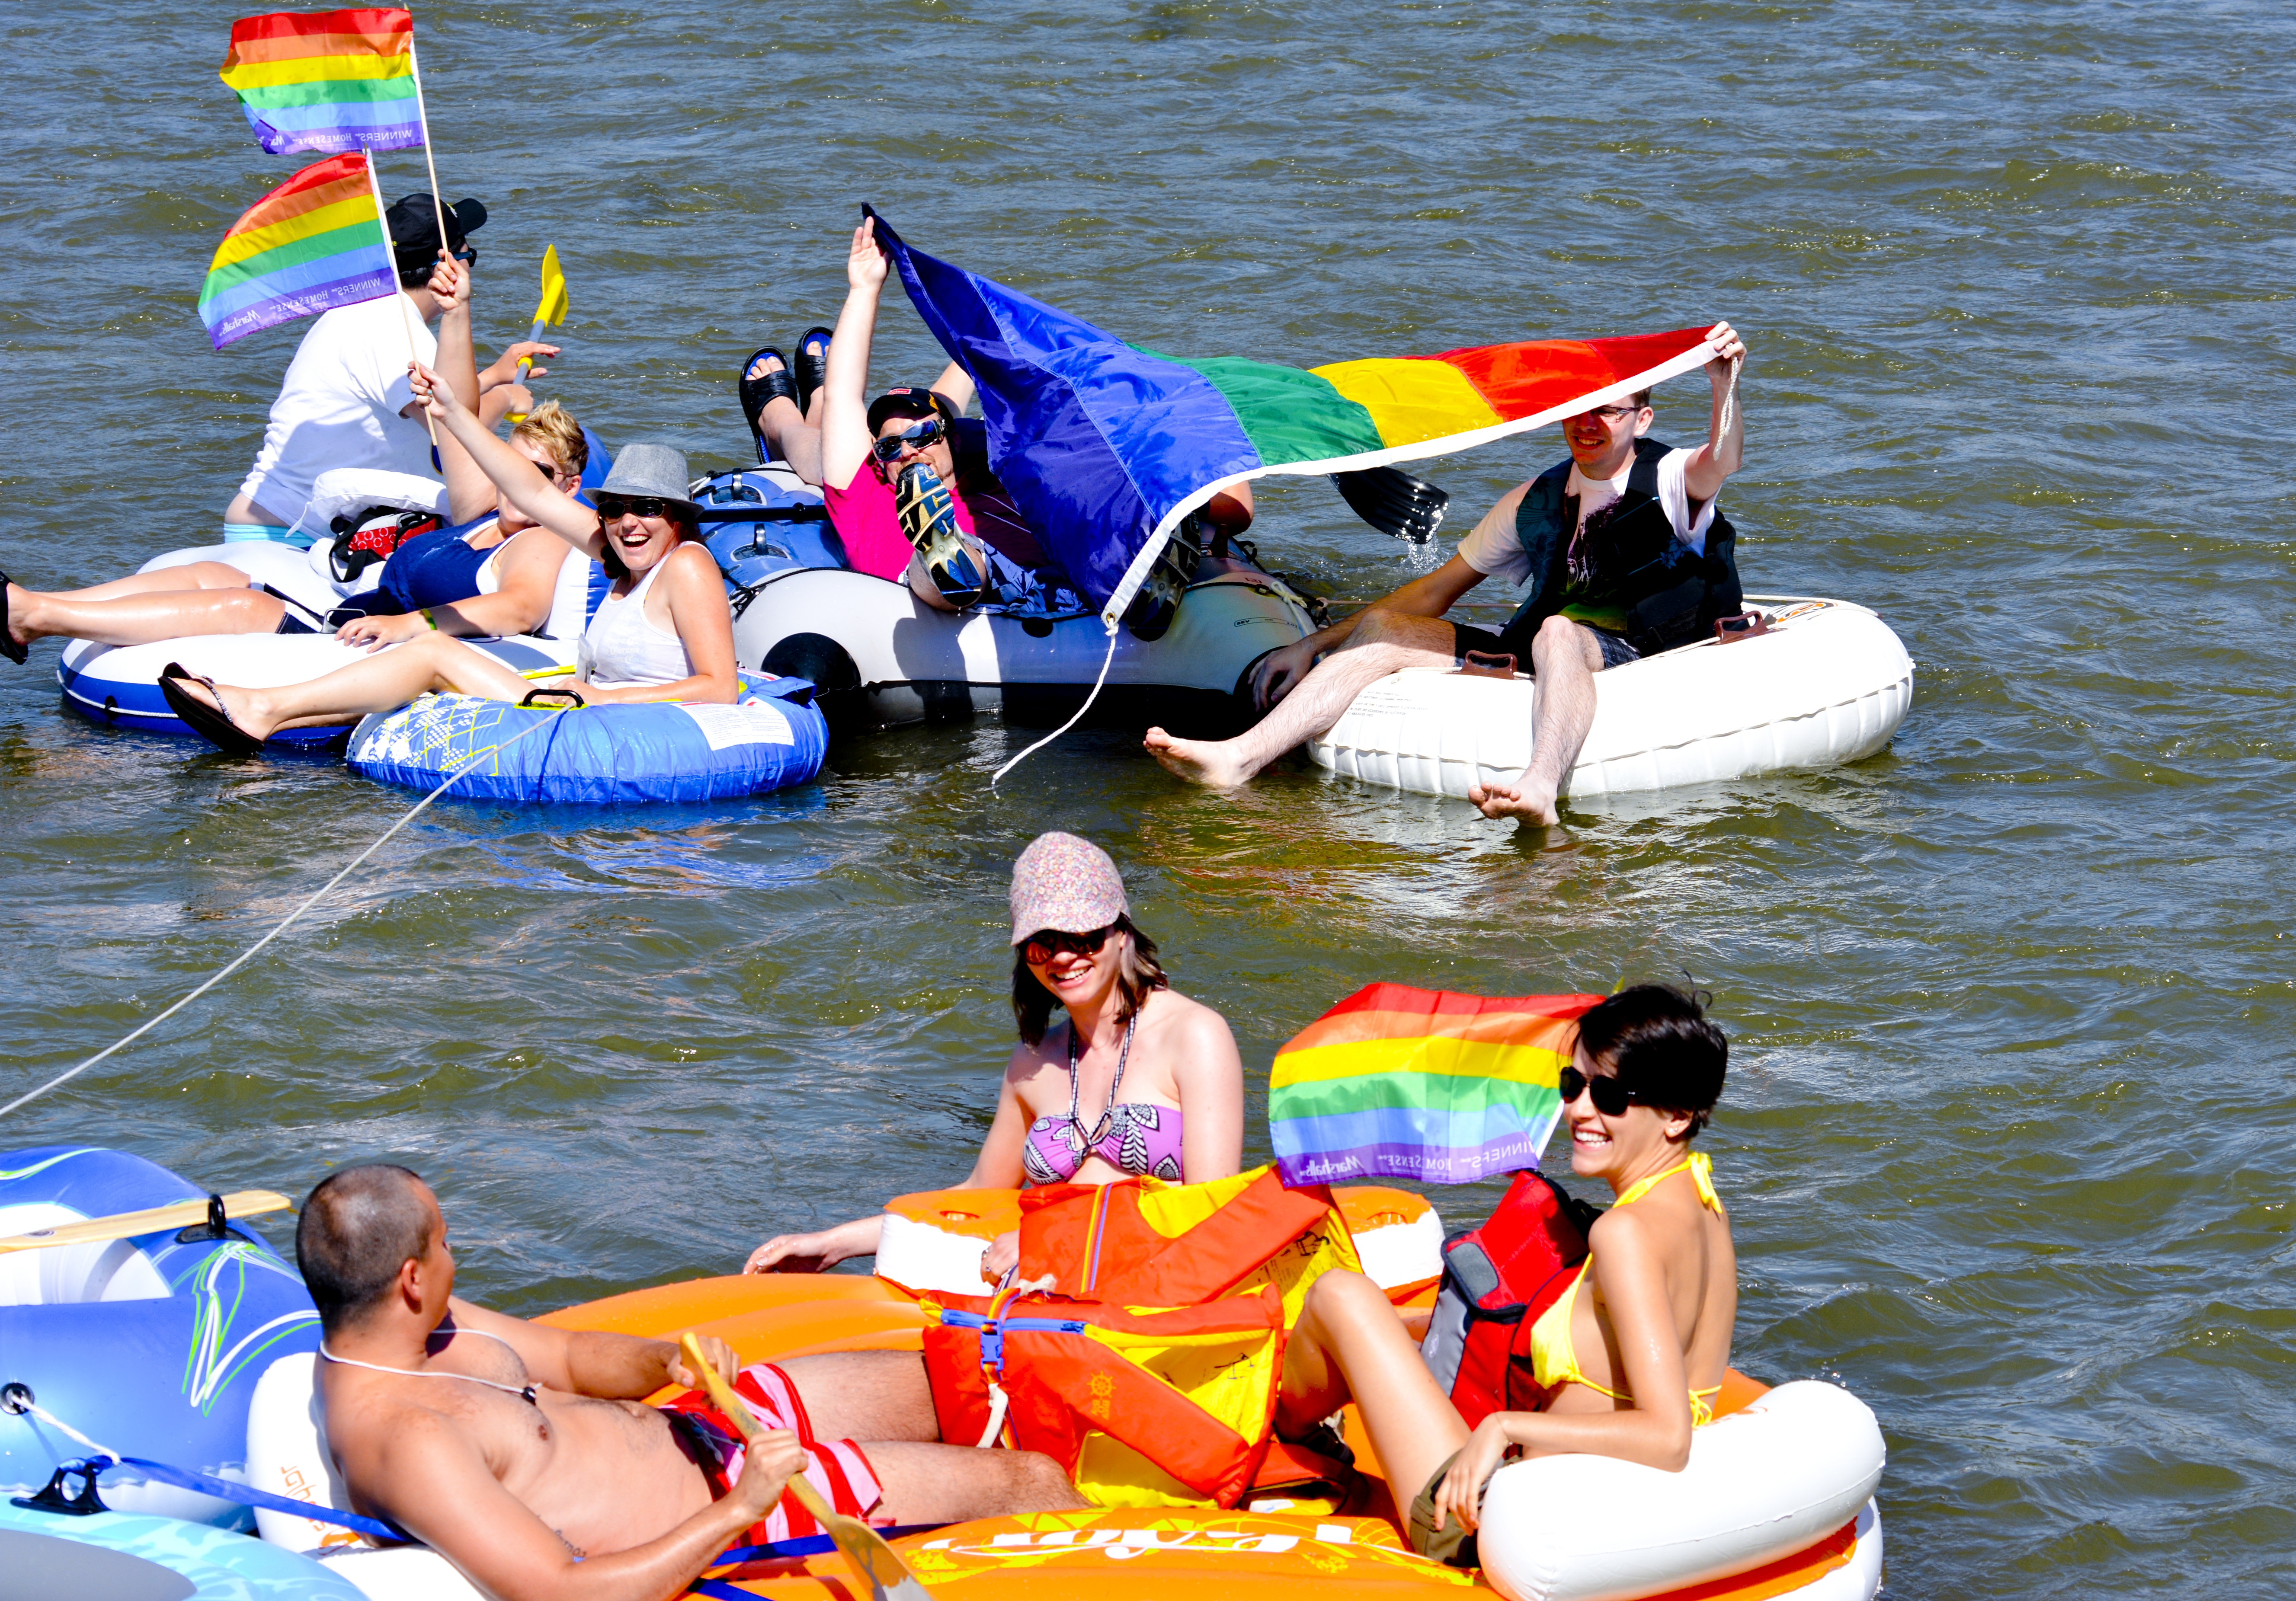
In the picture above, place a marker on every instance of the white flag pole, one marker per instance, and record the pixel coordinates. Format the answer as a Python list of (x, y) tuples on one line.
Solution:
[(437, 207), (406, 307)]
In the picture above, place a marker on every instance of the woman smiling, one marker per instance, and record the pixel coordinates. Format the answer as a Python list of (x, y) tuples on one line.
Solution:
[(1136, 1079), (663, 633)]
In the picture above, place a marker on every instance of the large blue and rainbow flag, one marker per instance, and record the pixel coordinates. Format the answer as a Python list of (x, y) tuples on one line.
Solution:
[(312, 244), (1105, 446), (327, 81), (1395, 1082)]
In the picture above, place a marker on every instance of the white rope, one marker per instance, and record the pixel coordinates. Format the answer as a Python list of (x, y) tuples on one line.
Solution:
[(317, 896), (1057, 732), (49, 1418)]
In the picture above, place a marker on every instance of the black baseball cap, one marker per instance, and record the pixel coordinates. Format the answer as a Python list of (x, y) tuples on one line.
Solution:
[(907, 400), (413, 225)]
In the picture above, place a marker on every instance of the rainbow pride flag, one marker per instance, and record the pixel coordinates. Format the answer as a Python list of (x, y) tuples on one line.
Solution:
[(1105, 446), (314, 243), (327, 81), (1395, 1082)]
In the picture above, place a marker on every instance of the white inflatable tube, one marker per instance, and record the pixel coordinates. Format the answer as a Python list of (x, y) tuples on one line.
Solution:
[(1827, 685), (1762, 1484)]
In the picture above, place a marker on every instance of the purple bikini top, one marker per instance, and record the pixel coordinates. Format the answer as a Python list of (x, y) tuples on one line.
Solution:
[(1132, 1137)]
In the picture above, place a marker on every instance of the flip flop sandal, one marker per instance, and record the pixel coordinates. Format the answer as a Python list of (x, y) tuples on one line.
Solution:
[(14, 649), (812, 365), (756, 391), (210, 722)]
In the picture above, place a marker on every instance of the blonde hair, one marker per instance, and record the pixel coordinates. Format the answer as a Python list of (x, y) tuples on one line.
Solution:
[(553, 427)]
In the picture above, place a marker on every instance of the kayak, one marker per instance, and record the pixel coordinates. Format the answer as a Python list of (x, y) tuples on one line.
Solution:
[(1776, 1502), (1823, 684), (883, 658)]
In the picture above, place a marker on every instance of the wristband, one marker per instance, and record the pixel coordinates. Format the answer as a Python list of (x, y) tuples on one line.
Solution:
[(426, 617)]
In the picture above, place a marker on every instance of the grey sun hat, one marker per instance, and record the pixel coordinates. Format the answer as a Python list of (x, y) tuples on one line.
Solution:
[(649, 466), (1065, 883)]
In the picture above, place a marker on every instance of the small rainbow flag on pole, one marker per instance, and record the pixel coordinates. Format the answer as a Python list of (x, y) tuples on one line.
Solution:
[(312, 244), (1395, 1082), (327, 81)]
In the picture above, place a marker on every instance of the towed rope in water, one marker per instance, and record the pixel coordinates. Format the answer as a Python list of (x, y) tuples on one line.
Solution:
[(1057, 732), (315, 897)]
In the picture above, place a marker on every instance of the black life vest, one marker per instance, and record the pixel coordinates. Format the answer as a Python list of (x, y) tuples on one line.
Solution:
[(1671, 594), (1497, 1278)]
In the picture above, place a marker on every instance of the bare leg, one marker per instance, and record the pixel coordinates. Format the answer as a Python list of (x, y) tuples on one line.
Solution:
[(1565, 660), (866, 1395), (1383, 643), (139, 616), (954, 1484), (792, 436), (192, 575), (382, 682), (1350, 1346)]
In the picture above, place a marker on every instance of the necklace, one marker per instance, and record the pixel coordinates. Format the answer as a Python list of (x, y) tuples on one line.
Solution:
[(525, 1393)]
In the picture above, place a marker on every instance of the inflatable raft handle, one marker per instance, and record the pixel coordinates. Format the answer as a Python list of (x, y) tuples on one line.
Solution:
[(215, 1227), (1487, 664), (570, 698)]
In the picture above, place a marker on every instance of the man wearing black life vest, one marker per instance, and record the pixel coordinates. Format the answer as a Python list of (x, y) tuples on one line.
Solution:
[(1623, 552)]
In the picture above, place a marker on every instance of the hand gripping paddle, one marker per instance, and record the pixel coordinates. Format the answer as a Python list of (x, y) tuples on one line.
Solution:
[(876, 1564), (126, 1225)]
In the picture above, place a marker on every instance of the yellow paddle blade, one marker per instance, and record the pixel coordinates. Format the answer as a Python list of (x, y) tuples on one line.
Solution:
[(874, 1562), (552, 310), (152, 1220)]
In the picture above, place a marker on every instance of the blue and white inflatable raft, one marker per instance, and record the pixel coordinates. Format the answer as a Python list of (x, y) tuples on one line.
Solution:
[(771, 737), (150, 1345)]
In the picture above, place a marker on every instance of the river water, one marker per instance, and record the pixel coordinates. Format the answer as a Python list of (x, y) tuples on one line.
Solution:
[(2006, 1138)]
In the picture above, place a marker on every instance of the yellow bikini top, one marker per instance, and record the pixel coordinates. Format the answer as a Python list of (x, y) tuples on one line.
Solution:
[(1555, 1360)]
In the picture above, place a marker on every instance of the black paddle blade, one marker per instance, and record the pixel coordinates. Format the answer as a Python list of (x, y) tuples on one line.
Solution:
[(1393, 502)]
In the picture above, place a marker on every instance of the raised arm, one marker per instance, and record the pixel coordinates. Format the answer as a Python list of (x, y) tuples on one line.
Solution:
[(513, 476), (1725, 450), (470, 493), (955, 385), (845, 399)]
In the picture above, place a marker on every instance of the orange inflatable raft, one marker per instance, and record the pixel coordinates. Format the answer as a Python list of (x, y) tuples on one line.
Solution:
[(1136, 1553), (1270, 1547)]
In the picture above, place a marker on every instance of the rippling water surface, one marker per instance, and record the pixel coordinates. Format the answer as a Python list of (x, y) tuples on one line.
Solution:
[(2006, 1142)]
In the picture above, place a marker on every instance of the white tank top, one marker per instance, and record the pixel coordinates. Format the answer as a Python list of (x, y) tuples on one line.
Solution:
[(621, 647)]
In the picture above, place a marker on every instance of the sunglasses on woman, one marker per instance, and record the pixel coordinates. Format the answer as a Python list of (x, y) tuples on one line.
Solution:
[(612, 506), (929, 431), (1610, 1093), (1048, 942)]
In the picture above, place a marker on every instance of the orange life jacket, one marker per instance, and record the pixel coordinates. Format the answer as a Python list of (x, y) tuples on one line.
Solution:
[(1141, 1405)]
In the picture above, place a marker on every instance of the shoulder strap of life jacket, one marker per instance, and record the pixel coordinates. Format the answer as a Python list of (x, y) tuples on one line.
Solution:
[(1141, 1242), (1497, 1278)]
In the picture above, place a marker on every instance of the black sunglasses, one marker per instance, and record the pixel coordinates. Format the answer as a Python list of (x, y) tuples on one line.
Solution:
[(548, 472), (612, 506), (1048, 942), (1611, 1095), (929, 431)]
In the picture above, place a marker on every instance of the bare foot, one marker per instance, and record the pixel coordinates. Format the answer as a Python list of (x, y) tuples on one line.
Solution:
[(1199, 761), (1505, 800)]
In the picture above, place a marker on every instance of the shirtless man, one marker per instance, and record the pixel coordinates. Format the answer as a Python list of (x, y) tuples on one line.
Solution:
[(1615, 543), (524, 1454)]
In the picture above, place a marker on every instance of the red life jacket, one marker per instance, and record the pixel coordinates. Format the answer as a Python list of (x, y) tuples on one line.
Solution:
[(1496, 1280)]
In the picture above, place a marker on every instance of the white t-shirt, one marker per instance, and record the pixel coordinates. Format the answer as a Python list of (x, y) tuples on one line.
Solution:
[(338, 404), (1496, 552)]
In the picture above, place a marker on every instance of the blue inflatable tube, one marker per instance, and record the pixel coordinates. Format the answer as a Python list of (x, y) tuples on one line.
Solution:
[(132, 1557), (772, 738), (150, 1346)]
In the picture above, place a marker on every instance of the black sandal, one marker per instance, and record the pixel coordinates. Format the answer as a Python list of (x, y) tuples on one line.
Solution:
[(209, 723), (756, 391), (812, 365), (10, 647)]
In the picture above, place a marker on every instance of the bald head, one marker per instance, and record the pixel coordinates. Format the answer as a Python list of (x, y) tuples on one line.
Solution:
[(359, 1226)]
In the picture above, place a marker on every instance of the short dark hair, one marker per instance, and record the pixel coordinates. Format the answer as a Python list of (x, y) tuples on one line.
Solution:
[(359, 1226), (1642, 397), (1660, 1043), (1137, 972)]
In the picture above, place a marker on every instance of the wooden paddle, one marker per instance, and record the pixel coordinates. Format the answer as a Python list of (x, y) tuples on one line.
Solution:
[(876, 1564), (126, 1225)]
